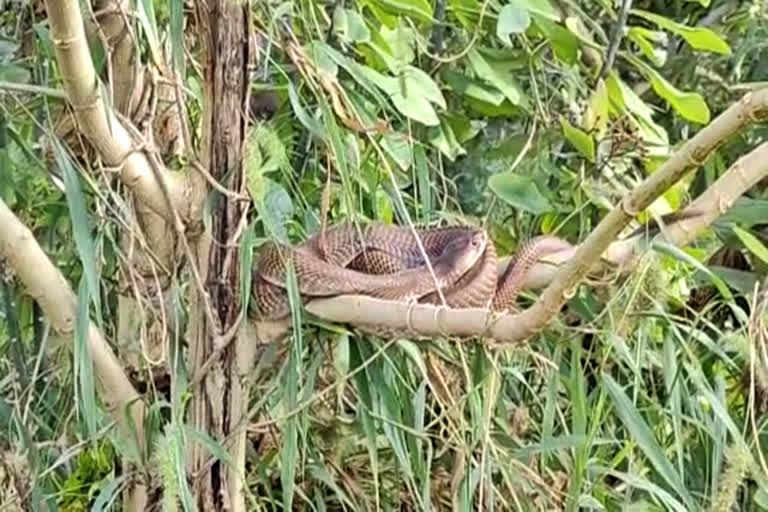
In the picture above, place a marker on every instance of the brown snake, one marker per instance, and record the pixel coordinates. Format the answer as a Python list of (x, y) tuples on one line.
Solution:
[(386, 262)]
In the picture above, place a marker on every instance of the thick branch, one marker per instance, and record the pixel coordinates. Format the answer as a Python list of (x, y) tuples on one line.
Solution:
[(574, 266), (96, 118), (46, 284)]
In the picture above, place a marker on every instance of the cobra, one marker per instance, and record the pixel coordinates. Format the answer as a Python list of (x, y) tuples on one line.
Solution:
[(387, 262)]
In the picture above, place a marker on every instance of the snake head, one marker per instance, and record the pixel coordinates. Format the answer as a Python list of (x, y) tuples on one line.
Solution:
[(464, 251)]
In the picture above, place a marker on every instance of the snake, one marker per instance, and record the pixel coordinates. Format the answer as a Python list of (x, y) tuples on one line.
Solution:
[(388, 262)]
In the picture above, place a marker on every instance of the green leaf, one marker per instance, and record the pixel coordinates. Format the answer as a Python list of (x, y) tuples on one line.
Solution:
[(583, 143), (466, 86), (14, 73), (513, 19), (505, 83), (643, 436), (519, 191), (405, 95), (444, 139), (626, 101), (278, 209), (690, 105), (415, 107), (321, 58), (357, 31), (83, 359), (639, 36), (109, 493), (699, 38), (146, 15), (401, 44), (310, 123), (419, 9), (419, 83), (596, 115), (543, 8), (396, 145), (81, 226), (752, 243), (564, 43), (7, 49), (176, 23)]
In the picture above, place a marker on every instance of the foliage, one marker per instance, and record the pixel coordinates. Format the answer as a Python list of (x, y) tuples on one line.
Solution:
[(460, 110)]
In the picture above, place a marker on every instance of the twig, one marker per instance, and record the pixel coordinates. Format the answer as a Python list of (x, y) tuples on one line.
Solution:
[(616, 37)]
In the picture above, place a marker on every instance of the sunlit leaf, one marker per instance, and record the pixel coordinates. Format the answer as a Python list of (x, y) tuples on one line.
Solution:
[(626, 101), (543, 8), (752, 243), (564, 43), (416, 107), (639, 36), (357, 31), (690, 105), (700, 38), (583, 142), (396, 145), (513, 19), (419, 83), (596, 115), (418, 9)]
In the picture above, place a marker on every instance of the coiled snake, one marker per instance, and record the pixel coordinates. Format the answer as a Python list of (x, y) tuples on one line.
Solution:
[(387, 262)]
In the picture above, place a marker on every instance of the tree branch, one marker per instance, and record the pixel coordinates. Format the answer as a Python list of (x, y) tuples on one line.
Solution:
[(564, 271), (95, 117), (616, 37), (50, 289)]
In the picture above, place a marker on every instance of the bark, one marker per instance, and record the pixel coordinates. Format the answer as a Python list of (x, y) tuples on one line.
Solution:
[(219, 401)]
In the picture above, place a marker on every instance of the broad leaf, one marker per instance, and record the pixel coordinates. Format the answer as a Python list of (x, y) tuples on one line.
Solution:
[(396, 145), (520, 192), (419, 83), (543, 8), (564, 43), (444, 139), (643, 38), (513, 19), (505, 83), (699, 38), (690, 105), (596, 115), (583, 142)]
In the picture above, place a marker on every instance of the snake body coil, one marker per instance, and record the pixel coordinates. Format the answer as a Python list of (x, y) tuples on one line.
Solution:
[(386, 261)]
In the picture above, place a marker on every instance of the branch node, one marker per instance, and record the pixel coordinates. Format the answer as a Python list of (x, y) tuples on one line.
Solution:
[(627, 208), (439, 309), (408, 315), (65, 42)]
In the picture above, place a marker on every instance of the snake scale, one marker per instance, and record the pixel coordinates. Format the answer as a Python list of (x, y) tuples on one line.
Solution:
[(387, 262)]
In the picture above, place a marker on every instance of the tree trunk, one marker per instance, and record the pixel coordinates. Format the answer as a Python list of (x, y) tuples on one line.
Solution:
[(215, 408)]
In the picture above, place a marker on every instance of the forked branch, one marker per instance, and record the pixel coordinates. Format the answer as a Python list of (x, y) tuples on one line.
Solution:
[(96, 118)]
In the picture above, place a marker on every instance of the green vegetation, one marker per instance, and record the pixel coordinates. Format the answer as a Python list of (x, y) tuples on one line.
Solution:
[(647, 392)]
